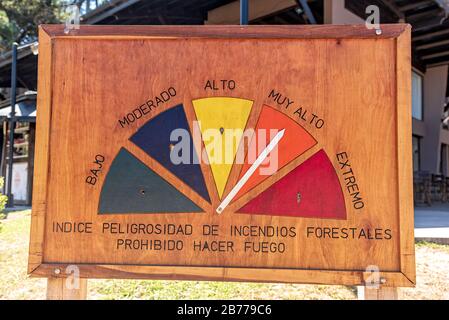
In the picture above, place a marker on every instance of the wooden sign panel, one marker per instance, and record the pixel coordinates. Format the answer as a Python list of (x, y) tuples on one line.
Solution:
[(277, 153)]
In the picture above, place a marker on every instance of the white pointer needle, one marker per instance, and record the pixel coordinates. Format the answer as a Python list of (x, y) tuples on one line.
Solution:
[(262, 156)]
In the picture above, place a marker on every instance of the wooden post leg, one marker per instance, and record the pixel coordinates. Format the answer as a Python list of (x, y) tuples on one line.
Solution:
[(58, 290), (382, 293)]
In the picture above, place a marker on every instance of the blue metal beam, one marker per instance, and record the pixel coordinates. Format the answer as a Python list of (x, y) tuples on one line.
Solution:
[(243, 12), (92, 17), (307, 10)]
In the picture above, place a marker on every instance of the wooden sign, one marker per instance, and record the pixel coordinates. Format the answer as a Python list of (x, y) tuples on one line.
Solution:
[(277, 153)]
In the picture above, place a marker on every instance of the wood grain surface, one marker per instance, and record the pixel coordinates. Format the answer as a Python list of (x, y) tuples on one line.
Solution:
[(348, 88)]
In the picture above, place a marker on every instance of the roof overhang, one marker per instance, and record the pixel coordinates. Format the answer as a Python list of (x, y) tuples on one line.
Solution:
[(430, 25)]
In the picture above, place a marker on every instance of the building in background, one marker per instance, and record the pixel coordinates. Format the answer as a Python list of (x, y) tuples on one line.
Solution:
[(430, 53)]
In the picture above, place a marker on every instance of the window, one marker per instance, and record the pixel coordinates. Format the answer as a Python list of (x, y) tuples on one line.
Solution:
[(417, 96), (416, 153)]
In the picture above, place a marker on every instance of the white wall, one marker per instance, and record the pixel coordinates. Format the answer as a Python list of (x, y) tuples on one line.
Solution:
[(435, 80), (335, 13)]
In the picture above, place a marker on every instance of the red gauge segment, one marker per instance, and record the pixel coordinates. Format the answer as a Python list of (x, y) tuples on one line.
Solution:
[(310, 190)]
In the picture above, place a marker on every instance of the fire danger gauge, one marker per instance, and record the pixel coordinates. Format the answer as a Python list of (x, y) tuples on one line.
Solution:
[(249, 154), (312, 189)]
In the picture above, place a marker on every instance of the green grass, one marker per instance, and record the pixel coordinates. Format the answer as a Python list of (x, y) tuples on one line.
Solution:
[(13, 259), (178, 290), (431, 245)]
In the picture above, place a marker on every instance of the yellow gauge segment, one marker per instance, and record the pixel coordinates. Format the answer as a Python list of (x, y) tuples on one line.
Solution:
[(222, 121)]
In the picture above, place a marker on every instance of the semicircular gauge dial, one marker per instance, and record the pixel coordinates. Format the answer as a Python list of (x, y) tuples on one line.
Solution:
[(310, 188)]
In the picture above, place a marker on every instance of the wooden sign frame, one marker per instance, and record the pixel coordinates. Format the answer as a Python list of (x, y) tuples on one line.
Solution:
[(51, 34)]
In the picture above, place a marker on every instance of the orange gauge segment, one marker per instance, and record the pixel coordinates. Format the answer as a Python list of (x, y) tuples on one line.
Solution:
[(295, 142)]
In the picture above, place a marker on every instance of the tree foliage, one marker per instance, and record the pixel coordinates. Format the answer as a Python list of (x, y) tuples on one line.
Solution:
[(3, 200), (19, 19)]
